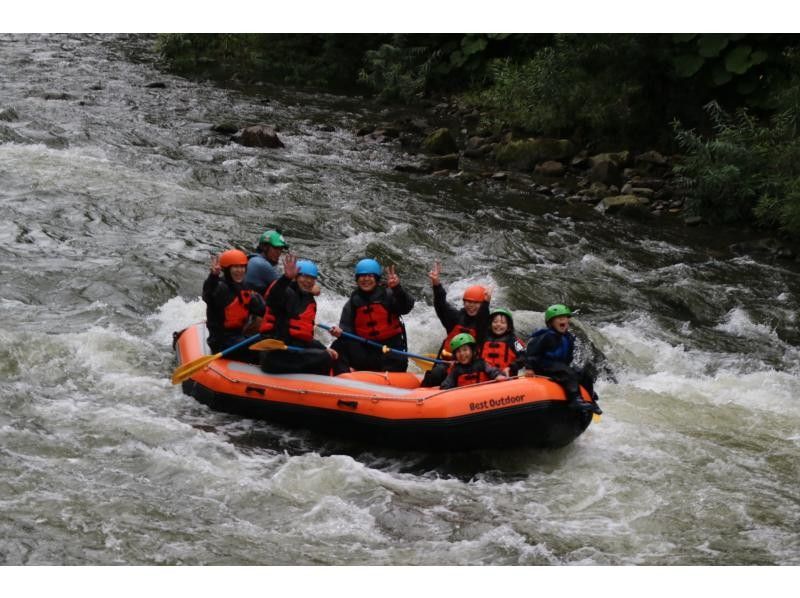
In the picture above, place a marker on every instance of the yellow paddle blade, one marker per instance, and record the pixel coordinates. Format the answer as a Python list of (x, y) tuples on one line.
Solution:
[(269, 344), (187, 369), (424, 364), (595, 418)]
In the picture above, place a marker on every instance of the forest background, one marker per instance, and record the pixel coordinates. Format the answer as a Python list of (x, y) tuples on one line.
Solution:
[(729, 104)]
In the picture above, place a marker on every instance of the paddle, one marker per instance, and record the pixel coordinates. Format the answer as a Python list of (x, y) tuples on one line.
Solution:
[(422, 361), (187, 369), (273, 344)]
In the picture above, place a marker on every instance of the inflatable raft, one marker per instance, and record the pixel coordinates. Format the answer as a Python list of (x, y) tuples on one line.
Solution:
[(389, 409)]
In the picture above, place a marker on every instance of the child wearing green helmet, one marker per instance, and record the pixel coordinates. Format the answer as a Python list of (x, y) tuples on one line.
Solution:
[(468, 368), (501, 348), (550, 353)]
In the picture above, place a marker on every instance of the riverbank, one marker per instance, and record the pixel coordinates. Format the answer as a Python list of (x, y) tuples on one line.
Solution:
[(442, 139)]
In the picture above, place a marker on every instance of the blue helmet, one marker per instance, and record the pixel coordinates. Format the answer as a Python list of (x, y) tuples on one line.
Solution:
[(307, 268), (368, 266)]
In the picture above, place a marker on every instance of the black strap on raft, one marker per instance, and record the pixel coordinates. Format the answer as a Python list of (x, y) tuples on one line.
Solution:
[(176, 336)]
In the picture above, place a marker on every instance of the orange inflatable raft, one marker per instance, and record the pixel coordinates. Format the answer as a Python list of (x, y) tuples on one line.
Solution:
[(389, 409)]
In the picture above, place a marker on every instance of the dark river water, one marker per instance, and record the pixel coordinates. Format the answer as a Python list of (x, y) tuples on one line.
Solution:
[(114, 196)]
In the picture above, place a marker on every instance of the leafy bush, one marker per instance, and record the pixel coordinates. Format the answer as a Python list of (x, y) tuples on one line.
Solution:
[(746, 169), (579, 84)]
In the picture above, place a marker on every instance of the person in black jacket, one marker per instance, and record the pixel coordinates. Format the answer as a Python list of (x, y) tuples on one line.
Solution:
[(472, 319), (373, 312), (550, 352), (290, 317), (232, 312)]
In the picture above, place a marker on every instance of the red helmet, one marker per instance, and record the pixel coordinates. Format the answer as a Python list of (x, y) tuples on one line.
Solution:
[(232, 257), (475, 293)]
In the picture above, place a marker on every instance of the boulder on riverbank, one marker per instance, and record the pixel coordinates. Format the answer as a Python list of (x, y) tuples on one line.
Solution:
[(524, 154), (440, 142)]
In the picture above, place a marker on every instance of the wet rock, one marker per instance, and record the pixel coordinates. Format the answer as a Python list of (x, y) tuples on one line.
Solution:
[(413, 168), (7, 134), (448, 162), (651, 157), (156, 85), (767, 246), (260, 136), (692, 220), (605, 171), (226, 128), (475, 142), (550, 168), (642, 192), (364, 131), (621, 159), (477, 153), (8, 115), (524, 154), (326, 128), (440, 142), (581, 161), (649, 182), (615, 203), (57, 95)]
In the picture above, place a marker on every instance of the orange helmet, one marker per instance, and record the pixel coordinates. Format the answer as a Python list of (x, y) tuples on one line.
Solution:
[(475, 293), (232, 257)]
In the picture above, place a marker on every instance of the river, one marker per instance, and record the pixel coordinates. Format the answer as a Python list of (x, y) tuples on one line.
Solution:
[(115, 193)]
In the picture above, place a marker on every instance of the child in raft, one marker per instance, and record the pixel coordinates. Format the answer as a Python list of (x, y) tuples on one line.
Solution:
[(468, 368), (502, 349), (550, 353)]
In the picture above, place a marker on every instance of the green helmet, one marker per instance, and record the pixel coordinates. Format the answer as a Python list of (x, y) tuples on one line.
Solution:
[(556, 310), (272, 237), (459, 340), (501, 310)]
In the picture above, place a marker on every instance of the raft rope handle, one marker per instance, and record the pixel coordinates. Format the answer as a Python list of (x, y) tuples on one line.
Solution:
[(302, 391)]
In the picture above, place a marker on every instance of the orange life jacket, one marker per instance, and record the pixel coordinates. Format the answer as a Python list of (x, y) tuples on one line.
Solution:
[(237, 311), (375, 322), (473, 374), (299, 326), (499, 353)]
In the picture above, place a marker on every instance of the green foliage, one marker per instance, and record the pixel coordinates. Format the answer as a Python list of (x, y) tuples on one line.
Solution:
[(396, 73), (411, 65), (310, 60), (580, 83), (746, 169), (741, 64)]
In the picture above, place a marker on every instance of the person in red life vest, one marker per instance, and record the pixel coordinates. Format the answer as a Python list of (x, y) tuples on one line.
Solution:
[(232, 312), (502, 349), (373, 312), (290, 317), (468, 368), (550, 352), (472, 319)]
